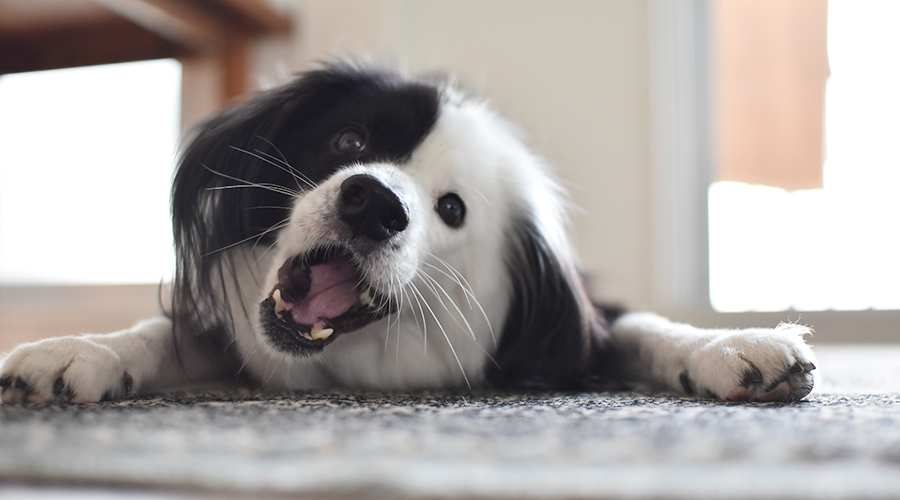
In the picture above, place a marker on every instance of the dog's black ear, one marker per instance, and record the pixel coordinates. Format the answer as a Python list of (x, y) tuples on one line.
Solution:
[(554, 338), (232, 181), (215, 207)]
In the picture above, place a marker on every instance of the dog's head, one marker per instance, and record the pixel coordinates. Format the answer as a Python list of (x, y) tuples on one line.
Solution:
[(360, 199)]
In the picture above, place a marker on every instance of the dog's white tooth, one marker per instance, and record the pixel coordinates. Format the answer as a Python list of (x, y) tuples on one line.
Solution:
[(318, 334), (279, 303)]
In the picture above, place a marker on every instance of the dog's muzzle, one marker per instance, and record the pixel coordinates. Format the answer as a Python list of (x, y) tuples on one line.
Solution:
[(323, 293)]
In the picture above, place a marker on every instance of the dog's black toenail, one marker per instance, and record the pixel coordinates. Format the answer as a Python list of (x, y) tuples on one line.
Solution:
[(127, 382), (686, 383), (795, 368), (6, 381), (751, 376), (19, 383)]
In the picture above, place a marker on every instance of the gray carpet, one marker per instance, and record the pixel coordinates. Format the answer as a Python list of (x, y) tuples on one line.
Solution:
[(843, 442)]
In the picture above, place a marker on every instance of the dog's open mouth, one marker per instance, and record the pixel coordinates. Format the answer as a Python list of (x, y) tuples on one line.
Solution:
[(318, 296)]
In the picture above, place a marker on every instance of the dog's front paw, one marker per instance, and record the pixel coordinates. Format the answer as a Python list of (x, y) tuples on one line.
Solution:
[(73, 369), (753, 365)]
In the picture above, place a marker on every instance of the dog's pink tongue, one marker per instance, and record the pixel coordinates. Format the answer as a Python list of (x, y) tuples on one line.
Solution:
[(332, 292)]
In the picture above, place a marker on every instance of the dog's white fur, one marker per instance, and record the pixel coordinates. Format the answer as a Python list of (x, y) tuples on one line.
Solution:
[(452, 295)]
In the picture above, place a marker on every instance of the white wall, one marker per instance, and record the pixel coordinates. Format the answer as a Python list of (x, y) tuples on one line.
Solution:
[(573, 74)]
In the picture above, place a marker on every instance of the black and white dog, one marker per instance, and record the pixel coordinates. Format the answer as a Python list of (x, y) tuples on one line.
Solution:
[(365, 230)]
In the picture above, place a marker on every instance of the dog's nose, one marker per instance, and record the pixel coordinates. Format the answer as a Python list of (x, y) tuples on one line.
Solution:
[(370, 208)]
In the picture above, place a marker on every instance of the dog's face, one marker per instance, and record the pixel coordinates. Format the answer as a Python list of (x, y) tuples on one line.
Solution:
[(377, 235), (387, 204)]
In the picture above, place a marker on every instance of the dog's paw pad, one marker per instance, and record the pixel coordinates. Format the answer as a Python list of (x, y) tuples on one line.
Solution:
[(65, 369), (754, 365)]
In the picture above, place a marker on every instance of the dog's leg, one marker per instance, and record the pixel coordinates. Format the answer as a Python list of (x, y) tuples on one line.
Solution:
[(760, 364), (90, 368)]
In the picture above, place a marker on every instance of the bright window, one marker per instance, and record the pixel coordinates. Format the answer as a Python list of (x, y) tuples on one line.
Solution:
[(835, 247), (86, 161)]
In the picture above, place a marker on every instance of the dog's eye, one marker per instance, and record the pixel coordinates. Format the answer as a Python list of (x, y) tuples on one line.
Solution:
[(451, 209), (349, 142)]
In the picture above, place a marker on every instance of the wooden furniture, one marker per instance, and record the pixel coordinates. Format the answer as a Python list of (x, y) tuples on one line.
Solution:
[(51, 34)]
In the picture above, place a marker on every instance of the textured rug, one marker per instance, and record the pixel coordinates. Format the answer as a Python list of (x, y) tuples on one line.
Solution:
[(842, 442)]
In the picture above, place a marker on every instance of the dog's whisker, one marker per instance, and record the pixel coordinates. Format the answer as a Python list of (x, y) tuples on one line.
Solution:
[(283, 223), (267, 158), (470, 294), (271, 144), (387, 329), (250, 354), (259, 155), (487, 200), (413, 294), (436, 287), (269, 207), (467, 326), (233, 341), (255, 348), (266, 375), (466, 293), (257, 236), (263, 254), (444, 332), (398, 288), (398, 346), (392, 292), (275, 188), (296, 173), (457, 276), (387, 332), (421, 327), (283, 160)]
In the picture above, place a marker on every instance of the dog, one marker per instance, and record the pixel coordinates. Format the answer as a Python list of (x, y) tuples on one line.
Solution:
[(363, 229)]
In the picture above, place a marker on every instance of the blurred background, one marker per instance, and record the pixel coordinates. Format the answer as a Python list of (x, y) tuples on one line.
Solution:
[(734, 162)]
